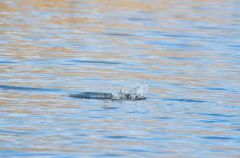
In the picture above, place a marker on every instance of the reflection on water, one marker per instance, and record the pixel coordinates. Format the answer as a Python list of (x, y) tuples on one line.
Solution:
[(187, 52)]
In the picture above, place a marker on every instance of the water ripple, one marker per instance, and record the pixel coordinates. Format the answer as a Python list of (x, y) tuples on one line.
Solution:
[(21, 88), (185, 100), (187, 52)]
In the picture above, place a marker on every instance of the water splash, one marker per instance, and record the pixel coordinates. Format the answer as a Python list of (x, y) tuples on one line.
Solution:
[(136, 93)]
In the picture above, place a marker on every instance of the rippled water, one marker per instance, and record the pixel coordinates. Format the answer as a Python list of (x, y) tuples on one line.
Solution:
[(188, 52)]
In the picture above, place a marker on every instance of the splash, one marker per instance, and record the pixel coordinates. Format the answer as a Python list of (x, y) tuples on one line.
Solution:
[(136, 93)]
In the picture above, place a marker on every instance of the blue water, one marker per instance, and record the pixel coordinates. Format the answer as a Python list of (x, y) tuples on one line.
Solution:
[(187, 52)]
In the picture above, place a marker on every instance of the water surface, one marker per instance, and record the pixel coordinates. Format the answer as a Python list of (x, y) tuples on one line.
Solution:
[(188, 53)]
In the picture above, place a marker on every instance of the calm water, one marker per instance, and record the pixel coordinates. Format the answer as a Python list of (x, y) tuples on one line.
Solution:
[(188, 52)]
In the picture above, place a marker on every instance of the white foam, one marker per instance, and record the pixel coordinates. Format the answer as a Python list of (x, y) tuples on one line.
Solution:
[(136, 93)]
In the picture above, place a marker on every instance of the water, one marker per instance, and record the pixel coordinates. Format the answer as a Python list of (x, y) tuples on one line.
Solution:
[(186, 51)]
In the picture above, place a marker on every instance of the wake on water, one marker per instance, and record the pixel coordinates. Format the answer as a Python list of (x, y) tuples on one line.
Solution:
[(136, 93)]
